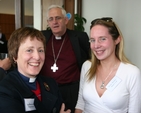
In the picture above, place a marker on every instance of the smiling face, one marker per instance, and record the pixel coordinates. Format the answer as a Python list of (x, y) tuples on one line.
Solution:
[(102, 43), (57, 22), (31, 56)]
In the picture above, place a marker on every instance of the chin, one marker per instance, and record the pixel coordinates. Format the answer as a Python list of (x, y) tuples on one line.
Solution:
[(99, 58), (34, 74)]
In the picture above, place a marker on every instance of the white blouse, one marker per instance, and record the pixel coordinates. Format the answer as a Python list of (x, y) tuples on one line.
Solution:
[(124, 97)]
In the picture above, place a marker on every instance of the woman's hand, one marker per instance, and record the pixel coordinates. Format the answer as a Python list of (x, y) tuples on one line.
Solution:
[(63, 109), (5, 64)]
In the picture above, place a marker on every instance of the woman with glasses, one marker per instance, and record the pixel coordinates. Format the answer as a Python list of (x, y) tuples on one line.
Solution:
[(109, 82)]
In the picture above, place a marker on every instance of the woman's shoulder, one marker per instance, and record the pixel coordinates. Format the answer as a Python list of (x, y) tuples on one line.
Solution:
[(87, 62), (48, 80), (130, 68), (86, 66)]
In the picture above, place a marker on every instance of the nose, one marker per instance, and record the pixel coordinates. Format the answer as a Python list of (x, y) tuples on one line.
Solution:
[(54, 20), (97, 44), (36, 55)]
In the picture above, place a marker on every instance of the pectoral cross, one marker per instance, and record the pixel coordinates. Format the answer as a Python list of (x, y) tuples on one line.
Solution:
[(54, 67)]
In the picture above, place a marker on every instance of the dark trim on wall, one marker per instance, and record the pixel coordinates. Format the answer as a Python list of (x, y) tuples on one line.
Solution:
[(69, 6), (79, 7)]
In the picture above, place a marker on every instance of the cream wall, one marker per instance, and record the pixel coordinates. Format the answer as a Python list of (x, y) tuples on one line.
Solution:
[(8, 7), (126, 13)]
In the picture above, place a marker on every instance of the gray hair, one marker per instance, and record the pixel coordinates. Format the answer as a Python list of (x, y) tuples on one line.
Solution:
[(56, 6)]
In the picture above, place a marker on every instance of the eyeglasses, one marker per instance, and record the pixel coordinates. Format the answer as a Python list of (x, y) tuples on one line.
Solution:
[(57, 18), (100, 40)]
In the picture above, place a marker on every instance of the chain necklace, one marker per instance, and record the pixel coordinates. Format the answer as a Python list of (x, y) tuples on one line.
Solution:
[(55, 67), (102, 86)]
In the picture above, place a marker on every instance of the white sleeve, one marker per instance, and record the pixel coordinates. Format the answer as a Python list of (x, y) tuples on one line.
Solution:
[(134, 86), (80, 102)]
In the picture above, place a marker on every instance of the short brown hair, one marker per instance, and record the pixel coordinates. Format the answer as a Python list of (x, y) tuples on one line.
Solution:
[(20, 35)]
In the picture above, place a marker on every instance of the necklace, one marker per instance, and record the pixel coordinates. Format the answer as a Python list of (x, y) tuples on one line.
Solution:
[(54, 68), (102, 86)]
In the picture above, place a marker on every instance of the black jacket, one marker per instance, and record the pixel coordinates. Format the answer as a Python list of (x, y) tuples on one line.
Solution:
[(14, 92), (2, 73)]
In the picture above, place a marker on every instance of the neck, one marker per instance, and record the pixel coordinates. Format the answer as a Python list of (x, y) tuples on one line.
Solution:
[(106, 65)]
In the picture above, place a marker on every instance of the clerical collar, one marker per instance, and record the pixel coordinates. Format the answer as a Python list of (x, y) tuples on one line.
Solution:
[(58, 38), (31, 82)]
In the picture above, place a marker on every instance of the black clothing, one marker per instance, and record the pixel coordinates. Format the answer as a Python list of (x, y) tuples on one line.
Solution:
[(14, 93)]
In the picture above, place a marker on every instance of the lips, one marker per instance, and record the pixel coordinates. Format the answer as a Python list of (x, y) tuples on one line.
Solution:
[(55, 26), (34, 64), (99, 52)]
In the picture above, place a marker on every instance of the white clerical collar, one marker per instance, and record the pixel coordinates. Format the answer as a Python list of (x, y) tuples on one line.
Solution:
[(31, 80), (58, 38)]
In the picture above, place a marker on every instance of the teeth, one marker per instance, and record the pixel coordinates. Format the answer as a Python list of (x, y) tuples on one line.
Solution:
[(99, 52), (34, 64)]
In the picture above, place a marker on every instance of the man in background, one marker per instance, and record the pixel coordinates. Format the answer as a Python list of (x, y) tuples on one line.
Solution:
[(66, 52)]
